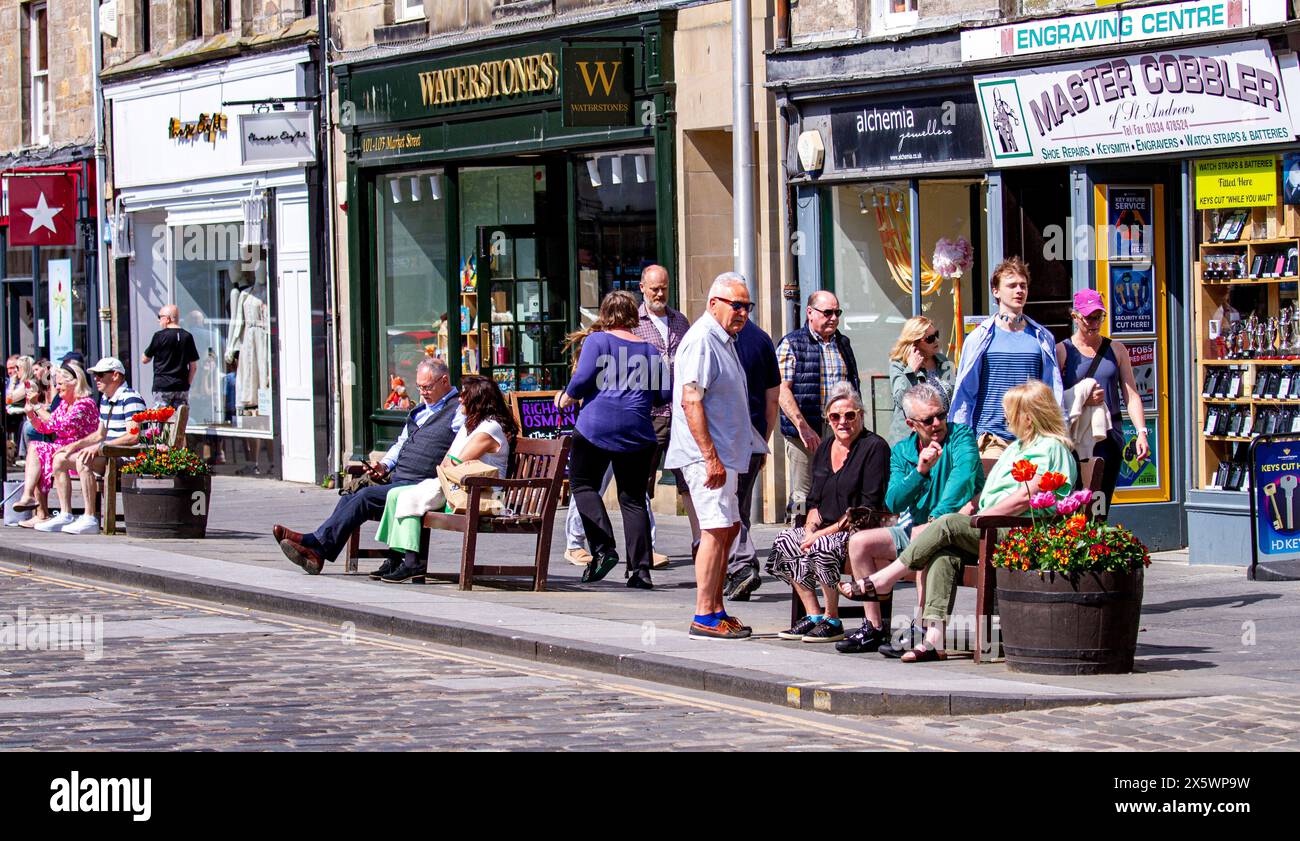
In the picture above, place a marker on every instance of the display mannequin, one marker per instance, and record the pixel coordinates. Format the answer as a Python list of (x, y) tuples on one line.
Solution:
[(249, 337)]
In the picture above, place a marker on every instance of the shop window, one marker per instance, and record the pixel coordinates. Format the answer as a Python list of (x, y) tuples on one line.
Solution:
[(413, 281), (404, 10), (871, 262), (38, 74), (222, 292), (616, 224), (72, 262), (514, 295)]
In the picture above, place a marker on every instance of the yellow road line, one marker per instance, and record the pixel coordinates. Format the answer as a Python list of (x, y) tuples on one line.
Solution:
[(873, 740)]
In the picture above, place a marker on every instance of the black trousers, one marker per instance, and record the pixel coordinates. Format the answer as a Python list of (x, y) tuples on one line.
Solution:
[(587, 466), (1110, 448), (349, 514)]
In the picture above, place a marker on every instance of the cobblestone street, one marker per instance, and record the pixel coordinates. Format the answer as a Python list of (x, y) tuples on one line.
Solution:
[(179, 674)]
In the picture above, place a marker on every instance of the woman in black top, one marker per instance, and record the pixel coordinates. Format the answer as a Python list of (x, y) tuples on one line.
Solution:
[(849, 470)]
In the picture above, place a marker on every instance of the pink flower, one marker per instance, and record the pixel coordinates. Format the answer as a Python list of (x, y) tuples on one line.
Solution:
[(1067, 506), (1042, 499)]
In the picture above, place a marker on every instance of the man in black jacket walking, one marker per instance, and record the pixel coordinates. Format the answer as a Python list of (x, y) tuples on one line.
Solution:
[(415, 457)]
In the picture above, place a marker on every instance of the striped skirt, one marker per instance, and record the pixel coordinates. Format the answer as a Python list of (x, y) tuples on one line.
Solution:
[(821, 564)]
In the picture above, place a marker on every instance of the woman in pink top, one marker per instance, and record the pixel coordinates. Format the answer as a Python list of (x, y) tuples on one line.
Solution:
[(76, 417)]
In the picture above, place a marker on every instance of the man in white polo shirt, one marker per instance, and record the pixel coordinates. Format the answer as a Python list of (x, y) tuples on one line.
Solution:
[(116, 406), (711, 442)]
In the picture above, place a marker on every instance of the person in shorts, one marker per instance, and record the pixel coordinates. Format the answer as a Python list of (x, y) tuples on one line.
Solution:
[(712, 439), (174, 358)]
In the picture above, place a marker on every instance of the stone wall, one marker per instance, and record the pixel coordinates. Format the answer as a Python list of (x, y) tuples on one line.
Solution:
[(171, 26), (71, 101)]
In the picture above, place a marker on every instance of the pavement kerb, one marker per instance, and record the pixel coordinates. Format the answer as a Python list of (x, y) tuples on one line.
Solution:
[(689, 674)]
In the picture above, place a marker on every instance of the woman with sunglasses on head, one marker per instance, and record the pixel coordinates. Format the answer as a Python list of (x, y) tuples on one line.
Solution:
[(850, 469), (1087, 355), (916, 359)]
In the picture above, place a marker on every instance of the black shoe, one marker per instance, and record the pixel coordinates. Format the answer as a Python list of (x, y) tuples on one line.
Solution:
[(640, 580), (864, 639), (744, 582), (390, 565), (599, 567), (404, 573), (827, 630), (800, 628)]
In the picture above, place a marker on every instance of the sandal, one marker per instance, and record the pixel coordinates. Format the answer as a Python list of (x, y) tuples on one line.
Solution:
[(925, 654), (21, 506), (862, 590)]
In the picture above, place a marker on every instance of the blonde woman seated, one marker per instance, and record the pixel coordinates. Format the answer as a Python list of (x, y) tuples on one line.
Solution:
[(488, 435), (1035, 418), (75, 418), (849, 470)]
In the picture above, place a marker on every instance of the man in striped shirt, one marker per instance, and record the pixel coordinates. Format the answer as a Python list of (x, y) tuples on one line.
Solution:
[(116, 406)]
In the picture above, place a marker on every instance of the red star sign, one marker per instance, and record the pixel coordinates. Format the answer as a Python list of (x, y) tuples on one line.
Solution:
[(42, 210)]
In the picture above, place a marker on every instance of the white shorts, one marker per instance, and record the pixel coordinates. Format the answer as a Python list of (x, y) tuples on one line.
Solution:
[(716, 508)]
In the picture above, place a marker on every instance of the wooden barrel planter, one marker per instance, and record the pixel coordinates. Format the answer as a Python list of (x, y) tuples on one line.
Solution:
[(166, 506), (1081, 624)]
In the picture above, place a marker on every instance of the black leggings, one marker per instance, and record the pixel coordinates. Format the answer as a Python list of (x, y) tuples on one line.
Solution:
[(587, 466), (1111, 448)]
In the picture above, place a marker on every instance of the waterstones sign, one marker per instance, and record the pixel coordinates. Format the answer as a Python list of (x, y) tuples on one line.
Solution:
[(1121, 26), (910, 131), (1146, 104)]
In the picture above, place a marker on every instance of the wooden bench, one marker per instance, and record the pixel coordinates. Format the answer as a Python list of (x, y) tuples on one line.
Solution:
[(531, 493), (173, 436), (979, 573)]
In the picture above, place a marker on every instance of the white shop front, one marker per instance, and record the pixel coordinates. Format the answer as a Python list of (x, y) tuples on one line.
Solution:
[(211, 211)]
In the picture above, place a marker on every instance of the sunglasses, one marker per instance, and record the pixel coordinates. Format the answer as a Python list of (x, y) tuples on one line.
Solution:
[(927, 421), (847, 417), (1095, 318), (738, 306), (933, 337), (829, 313)]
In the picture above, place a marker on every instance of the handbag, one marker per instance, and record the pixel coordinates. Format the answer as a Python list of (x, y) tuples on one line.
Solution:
[(453, 476), (861, 519)]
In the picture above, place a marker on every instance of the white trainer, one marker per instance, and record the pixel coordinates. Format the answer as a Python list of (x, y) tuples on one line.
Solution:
[(56, 523), (85, 524)]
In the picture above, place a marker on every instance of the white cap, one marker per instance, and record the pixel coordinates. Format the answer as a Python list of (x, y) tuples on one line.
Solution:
[(109, 363)]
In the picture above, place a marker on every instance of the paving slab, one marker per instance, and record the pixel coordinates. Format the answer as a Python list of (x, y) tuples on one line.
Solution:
[(1206, 630)]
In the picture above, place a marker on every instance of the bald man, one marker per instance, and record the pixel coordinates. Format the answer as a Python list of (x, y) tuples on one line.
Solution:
[(174, 358)]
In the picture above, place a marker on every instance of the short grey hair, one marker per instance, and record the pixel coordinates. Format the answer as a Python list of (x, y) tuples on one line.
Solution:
[(437, 367), (844, 390), (722, 284), (922, 393)]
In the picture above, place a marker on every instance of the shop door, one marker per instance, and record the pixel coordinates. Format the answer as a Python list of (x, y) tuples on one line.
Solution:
[(527, 307), (1037, 227), (20, 332)]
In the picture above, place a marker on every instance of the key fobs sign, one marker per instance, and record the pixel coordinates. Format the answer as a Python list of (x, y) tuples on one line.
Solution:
[(1144, 104)]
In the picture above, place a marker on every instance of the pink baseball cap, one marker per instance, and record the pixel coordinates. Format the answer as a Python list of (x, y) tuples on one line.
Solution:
[(1088, 301)]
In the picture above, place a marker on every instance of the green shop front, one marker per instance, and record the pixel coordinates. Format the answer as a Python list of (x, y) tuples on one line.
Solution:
[(493, 197)]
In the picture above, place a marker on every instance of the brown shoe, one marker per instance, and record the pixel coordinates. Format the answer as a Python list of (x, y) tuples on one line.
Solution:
[(279, 532), (306, 558)]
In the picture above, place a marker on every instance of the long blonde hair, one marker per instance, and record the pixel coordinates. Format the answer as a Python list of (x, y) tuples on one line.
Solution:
[(618, 310), (1032, 412), (914, 330)]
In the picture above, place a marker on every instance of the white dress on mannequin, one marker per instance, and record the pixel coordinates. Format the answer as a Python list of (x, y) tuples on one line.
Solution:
[(249, 336)]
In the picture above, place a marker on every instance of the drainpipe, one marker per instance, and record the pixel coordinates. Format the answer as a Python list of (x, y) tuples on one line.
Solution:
[(742, 143), (782, 21), (333, 372), (101, 250)]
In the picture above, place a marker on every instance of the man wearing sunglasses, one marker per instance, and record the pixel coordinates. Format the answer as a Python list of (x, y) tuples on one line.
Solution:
[(934, 471), (711, 443), (813, 359)]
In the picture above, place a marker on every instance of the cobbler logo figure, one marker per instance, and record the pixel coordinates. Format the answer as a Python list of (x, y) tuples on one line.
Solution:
[(1005, 121)]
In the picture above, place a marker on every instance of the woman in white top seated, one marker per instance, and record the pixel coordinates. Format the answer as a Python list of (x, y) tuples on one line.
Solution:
[(487, 435)]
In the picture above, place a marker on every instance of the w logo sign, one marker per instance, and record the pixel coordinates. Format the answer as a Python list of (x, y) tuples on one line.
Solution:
[(597, 87), (606, 82)]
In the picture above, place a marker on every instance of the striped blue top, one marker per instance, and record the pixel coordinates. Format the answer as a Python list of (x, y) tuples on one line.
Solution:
[(1012, 359), (116, 411)]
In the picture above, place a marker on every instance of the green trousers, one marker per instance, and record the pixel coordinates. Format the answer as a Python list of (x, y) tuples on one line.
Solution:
[(941, 549), (400, 533)]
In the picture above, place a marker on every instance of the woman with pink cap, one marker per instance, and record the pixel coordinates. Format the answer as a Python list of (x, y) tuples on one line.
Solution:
[(1086, 354)]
